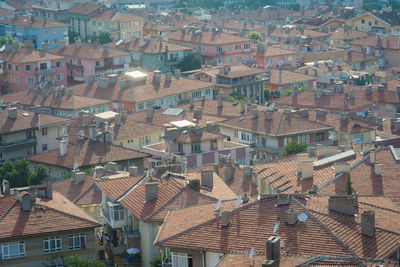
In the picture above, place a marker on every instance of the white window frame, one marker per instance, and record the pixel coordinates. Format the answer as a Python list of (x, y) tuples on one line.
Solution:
[(180, 259), (5, 250), (57, 245), (75, 241), (117, 209)]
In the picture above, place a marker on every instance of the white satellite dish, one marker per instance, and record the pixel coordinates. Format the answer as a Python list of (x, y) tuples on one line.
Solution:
[(302, 217), (238, 202), (218, 207), (251, 254), (276, 226)]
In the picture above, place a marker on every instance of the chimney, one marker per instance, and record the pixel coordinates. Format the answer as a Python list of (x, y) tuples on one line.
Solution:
[(339, 87), (207, 178), (103, 83), (220, 103), (247, 171), (12, 113), (45, 47), (372, 157), (369, 89), (254, 113), (108, 137), (168, 77), (291, 217), (242, 107), (149, 113), (368, 223), (216, 168), (300, 158), (306, 169), (85, 118), (63, 148), (177, 73), (27, 201), (341, 167), (151, 190), (273, 251), (93, 132), (112, 167), (197, 112), (378, 169), (191, 103), (225, 218), (380, 88), (79, 177), (133, 171), (343, 204), (157, 76), (112, 78), (6, 187)]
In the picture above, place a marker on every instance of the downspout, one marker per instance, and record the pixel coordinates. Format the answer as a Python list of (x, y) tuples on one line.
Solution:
[(203, 255)]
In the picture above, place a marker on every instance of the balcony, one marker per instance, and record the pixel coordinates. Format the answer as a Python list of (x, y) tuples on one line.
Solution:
[(131, 234), (113, 223), (74, 66), (247, 50), (109, 67), (45, 71), (6, 147), (220, 53)]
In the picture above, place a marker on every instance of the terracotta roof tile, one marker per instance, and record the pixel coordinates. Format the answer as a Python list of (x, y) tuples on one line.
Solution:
[(207, 38), (89, 51), (26, 21), (115, 188), (87, 153), (47, 216), (83, 9), (272, 51), (392, 42), (84, 193), (288, 77), (130, 129), (28, 56), (153, 46)]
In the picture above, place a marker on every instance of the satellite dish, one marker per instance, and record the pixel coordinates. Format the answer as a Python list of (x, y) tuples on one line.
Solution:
[(238, 202), (251, 254), (302, 217), (276, 226), (217, 208)]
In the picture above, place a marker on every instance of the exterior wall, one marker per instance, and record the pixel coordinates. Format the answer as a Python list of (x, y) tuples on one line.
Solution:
[(34, 248), (148, 234), (93, 211), (51, 139), (392, 56), (213, 258), (310, 57), (357, 23), (274, 61), (387, 110), (197, 256), (116, 29), (133, 141), (22, 74)]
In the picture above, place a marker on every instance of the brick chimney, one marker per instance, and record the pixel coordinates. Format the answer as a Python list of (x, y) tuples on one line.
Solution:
[(149, 113), (133, 171), (368, 223), (378, 169), (306, 169), (291, 217), (225, 218), (273, 251), (151, 190), (63, 148), (207, 178)]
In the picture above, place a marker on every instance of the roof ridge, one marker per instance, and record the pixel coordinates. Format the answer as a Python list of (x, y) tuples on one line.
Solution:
[(9, 209), (279, 125), (307, 211), (83, 193)]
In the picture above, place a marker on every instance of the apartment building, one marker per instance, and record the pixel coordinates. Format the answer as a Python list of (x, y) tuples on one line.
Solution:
[(87, 59), (275, 57), (268, 132), (25, 133), (39, 224), (79, 16), (25, 68), (284, 80), (214, 46), (39, 31)]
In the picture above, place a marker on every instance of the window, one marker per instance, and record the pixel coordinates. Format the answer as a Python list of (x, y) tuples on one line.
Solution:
[(140, 106), (207, 91), (12, 250), (44, 147), (228, 48), (30, 80), (363, 21), (213, 144), (126, 25), (115, 106), (59, 77), (43, 66), (180, 147), (10, 79), (151, 104), (77, 241), (136, 23), (269, 60), (219, 50), (196, 94), (16, 67), (28, 67), (238, 58), (246, 46), (369, 23), (145, 140), (17, 80), (94, 23), (195, 147), (98, 63), (58, 64), (246, 137), (44, 131), (181, 259), (9, 66), (228, 60), (376, 22), (238, 47), (320, 137), (290, 58), (117, 213), (52, 244)]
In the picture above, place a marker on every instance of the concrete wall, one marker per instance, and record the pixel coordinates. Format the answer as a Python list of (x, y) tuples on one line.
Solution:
[(133, 141), (148, 233)]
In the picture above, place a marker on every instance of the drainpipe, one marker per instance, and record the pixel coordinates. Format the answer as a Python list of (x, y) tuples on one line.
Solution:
[(203, 255)]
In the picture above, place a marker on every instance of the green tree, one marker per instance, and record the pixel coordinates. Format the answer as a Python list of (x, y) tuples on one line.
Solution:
[(157, 261), (72, 36), (7, 39), (294, 148), (73, 261), (267, 94), (295, 7), (190, 62), (255, 36), (17, 173), (38, 176), (349, 190), (301, 89), (104, 38), (287, 92)]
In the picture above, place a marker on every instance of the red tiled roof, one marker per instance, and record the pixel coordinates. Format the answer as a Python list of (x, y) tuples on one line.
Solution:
[(47, 216), (87, 153), (84, 193), (152, 46), (28, 56), (272, 51), (36, 22), (207, 38), (115, 188), (392, 42), (288, 77), (83, 9), (325, 232), (89, 51)]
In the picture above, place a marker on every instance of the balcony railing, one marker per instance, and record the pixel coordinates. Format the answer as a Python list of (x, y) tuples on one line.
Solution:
[(45, 71), (109, 67), (131, 234), (74, 66), (6, 147), (113, 223)]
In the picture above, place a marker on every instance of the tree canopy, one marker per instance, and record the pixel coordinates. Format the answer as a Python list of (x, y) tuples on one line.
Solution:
[(190, 62), (19, 174), (294, 148), (255, 36)]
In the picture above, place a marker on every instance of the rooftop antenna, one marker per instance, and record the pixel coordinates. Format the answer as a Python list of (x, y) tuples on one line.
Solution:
[(276, 226), (218, 207), (302, 217), (251, 254), (238, 201)]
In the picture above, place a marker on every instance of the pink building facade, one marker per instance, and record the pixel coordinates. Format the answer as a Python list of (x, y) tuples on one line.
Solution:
[(275, 57)]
